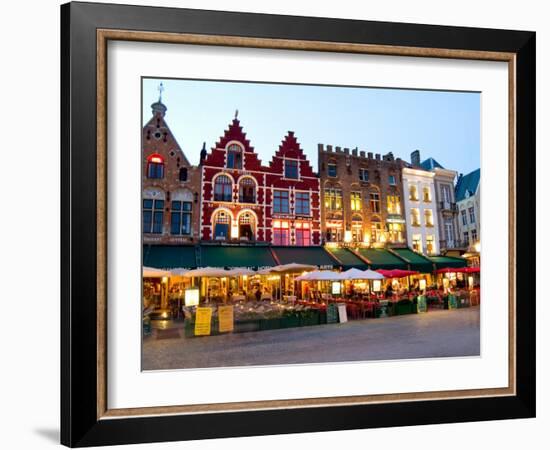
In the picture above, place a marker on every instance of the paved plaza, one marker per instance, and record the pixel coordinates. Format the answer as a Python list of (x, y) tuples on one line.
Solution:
[(439, 333)]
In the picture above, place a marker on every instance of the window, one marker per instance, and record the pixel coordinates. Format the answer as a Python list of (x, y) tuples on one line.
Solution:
[(301, 202), (430, 246), (357, 228), (356, 201), (180, 217), (183, 174), (280, 202), (331, 170), (463, 216), (395, 232), (391, 180), (446, 193), (428, 218), (474, 235), (394, 205), (333, 199), (234, 157), (426, 194), (449, 232), (153, 215), (417, 243), (472, 214), (223, 189), (466, 237), (375, 202), (221, 225), (247, 223), (281, 232), (291, 168), (363, 175), (415, 217), (375, 230), (155, 167), (303, 233), (413, 193), (334, 232), (247, 190)]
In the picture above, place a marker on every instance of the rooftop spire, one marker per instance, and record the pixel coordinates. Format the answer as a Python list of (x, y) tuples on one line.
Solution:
[(236, 114), (161, 90), (158, 107)]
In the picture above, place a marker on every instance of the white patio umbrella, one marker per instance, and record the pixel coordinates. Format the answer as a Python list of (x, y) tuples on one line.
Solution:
[(208, 272), (354, 274), (321, 275), (239, 272), (152, 272), (372, 275), (179, 272)]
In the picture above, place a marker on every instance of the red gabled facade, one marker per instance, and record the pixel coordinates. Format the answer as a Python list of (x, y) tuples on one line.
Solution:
[(245, 201)]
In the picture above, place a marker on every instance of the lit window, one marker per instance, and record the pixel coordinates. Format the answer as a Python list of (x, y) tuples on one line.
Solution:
[(428, 218), (247, 190), (426, 194), (474, 235), (153, 215), (331, 170), (223, 189), (303, 233), (415, 217), (302, 203), (155, 167), (394, 205), (363, 175), (234, 157), (333, 199), (395, 232), (356, 201), (417, 243), (413, 193), (375, 230), (391, 180), (280, 202), (356, 228), (180, 217), (375, 202), (246, 226), (291, 168), (221, 225), (430, 246), (281, 232)]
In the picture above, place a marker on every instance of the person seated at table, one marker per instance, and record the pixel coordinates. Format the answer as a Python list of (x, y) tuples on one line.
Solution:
[(389, 291), (258, 294)]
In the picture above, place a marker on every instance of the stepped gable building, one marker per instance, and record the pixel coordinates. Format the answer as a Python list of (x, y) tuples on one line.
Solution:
[(170, 185), (362, 197), (450, 242), (293, 197), (245, 201)]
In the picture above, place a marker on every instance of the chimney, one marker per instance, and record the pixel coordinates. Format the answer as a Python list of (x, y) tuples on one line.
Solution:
[(320, 147), (415, 158)]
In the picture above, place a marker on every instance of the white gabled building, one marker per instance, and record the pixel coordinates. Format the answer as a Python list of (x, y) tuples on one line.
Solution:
[(421, 211)]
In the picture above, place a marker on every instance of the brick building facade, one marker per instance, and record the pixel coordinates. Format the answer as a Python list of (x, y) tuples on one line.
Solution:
[(245, 201), (362, 197), (170, 185)]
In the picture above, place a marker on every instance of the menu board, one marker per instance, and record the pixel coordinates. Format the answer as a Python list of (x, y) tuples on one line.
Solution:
[(203, 321), (225, 318), (421, 304), (342, 313), (332, 313)]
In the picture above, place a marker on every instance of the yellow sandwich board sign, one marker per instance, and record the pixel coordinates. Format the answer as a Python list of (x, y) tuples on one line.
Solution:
[(225, 317), (203, 321)]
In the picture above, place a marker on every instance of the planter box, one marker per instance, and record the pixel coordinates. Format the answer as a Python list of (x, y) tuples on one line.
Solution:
[(404, 307), (309, 318), (290, 321), (246, 326), (270, 324)]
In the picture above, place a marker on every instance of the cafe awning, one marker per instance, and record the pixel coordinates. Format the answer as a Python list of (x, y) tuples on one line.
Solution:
[(226, 256), (415, 260), (381, 259), (316, 256), (447, 261), (169, 256), (347, 258)]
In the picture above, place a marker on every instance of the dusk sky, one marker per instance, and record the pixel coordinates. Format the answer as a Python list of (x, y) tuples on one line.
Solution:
[(443, 125)]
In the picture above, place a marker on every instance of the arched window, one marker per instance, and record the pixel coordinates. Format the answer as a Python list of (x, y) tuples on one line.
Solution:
[(415, 217), (183, 174), (428, 218), (413, 192), (247, 190), (426, 194), (375, 229), (223, 189), (155, 166), (153, 211), (247, 226), (222, 224), (234, 157)]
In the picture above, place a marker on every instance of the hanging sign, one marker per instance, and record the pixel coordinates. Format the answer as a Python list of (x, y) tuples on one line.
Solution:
[(203, 321), (225, 318)]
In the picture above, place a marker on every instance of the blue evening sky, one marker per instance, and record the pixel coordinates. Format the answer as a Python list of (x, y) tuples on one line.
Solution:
[(443, 125)]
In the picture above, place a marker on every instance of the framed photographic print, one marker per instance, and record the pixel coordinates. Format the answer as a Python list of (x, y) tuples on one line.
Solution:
[(276, 224)]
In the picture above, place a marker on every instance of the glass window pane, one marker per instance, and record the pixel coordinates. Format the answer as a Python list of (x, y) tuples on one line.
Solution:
[(147, 203), (175, 223), (176, 205), (159, 204)]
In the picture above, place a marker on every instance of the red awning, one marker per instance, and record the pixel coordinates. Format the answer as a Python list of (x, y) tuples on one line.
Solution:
[(460, 270), (396, 273)]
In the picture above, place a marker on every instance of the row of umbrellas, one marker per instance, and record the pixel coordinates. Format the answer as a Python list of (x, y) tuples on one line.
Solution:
[(351, 274)]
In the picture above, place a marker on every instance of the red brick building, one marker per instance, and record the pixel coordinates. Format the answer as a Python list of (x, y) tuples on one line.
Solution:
[(170, 186), (245, 201)]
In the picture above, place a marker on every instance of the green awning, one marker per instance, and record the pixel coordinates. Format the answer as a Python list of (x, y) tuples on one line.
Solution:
[(305, 255), (226, 256), (347, 258), (415, 260), (381, 259), (442, 262), (169, 256)]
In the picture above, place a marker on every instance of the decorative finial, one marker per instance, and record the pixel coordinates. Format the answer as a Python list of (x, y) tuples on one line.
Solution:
[(236, 113), (161, 90)]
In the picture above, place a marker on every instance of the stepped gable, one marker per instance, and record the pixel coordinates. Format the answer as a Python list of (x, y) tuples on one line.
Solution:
[(290, 148)]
